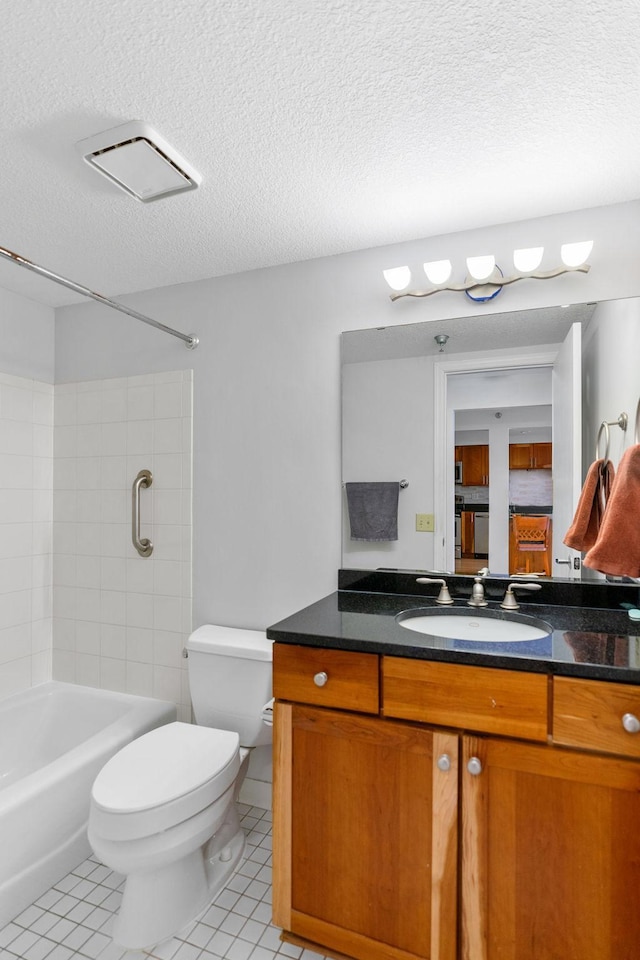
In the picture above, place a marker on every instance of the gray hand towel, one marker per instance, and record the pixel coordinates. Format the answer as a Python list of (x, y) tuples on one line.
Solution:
[(373, 510)]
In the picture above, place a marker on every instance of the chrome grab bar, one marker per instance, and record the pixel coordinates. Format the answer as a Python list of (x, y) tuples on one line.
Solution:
[(142, 545)]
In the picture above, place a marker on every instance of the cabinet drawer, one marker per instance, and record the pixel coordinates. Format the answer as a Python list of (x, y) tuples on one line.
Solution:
[(589, 714), (352, 678), (473, 698)]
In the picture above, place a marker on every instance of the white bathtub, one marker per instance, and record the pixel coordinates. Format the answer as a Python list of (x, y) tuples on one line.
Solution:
[(54, 738)]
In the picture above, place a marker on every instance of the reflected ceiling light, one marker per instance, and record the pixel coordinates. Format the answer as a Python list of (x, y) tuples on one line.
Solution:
[(398, 277), (137, 159), (481, 268), (485, 280), (438, 271), (528, 259), (575, 254)]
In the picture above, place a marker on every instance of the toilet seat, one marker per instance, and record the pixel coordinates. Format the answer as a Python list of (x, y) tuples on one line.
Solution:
[(162, 779)]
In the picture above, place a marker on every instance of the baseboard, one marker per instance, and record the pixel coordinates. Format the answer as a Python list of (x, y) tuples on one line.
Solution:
[(256, 793)]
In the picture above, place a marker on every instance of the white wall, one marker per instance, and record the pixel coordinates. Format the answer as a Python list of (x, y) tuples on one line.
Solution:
[(26, 469), (26, 338), (387, 434), (267, 480), (611, 376), (503, 389)]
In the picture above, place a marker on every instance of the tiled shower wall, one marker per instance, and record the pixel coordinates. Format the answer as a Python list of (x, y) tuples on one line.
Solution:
[(26, 468), (120, 621)]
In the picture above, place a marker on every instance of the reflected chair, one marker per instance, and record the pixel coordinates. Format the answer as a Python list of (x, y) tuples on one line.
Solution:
[(532, 542)]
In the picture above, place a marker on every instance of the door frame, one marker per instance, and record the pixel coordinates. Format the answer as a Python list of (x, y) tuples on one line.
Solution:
[(444, 439)]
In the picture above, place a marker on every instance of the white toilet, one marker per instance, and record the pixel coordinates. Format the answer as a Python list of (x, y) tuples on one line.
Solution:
[(163, 809)]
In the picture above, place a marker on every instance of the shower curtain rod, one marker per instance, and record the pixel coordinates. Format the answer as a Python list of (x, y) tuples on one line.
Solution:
[(190, 340)]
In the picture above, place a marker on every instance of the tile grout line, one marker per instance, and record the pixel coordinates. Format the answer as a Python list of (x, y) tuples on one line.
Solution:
[(73, 919)]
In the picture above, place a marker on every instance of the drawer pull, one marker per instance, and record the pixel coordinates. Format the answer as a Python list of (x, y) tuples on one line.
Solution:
[(444, 762), (631, 723), (474, 766), (320, 679)]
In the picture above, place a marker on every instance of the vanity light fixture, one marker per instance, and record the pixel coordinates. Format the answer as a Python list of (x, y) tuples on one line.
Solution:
[(485, 280), (136, 158)]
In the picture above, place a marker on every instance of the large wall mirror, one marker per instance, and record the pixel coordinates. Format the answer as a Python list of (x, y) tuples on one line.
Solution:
[(498, 421)]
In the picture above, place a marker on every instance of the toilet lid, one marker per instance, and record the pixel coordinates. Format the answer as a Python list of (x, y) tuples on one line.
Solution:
[(163, 765)]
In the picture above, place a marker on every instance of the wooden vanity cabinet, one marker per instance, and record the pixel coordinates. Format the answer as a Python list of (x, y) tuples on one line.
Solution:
[(397, 837), (365, 823), (365, 834), (550, 860)]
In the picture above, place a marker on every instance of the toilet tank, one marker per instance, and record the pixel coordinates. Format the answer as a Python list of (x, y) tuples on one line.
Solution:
[(230, 680)]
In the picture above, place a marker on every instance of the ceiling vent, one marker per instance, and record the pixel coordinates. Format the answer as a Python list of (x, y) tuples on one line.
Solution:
[(139, 161)]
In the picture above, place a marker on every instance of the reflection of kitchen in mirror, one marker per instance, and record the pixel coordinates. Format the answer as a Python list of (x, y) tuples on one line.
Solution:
[(410, 411), (517, 439)]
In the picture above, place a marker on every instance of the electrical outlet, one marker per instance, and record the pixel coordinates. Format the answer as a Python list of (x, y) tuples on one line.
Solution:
[(424, 522)]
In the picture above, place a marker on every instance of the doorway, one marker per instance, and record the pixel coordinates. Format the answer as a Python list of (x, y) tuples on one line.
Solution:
[(504, 470)]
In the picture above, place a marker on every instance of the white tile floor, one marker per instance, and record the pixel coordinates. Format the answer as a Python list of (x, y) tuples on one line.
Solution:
[(74, 917)]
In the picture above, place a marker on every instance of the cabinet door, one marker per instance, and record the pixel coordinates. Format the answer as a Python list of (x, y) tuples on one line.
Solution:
[(365, 834), (542, 455), (467, 534), (520, 456), (550, 854), (475, 465)]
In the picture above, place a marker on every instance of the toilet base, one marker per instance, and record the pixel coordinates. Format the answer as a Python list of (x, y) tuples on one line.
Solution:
[(158, 904)]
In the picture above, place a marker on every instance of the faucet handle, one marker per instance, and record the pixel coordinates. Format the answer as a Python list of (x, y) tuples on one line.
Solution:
[(482, 572), (510, 602), (444, 597)]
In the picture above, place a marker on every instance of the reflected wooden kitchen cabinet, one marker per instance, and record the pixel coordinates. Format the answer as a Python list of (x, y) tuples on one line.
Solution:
[(467, 534), (530, 456), (475, 465)]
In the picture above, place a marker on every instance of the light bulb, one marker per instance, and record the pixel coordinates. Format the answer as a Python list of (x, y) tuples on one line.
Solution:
[(575, 254), (397, 277), (438, 271), (481, 268), (527, 260)]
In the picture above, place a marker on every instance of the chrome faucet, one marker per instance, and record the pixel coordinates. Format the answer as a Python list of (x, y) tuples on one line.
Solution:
[(477, 598), (444, 597), (510, 602)]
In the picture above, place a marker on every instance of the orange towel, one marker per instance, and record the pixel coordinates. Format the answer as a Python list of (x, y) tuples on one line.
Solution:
[(583, 532), (617, 549)]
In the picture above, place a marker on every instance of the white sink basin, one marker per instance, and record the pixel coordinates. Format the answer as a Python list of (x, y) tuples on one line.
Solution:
[(471, 626)]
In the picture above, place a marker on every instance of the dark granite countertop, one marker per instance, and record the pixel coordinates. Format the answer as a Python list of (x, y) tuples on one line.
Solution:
[(592, 642)]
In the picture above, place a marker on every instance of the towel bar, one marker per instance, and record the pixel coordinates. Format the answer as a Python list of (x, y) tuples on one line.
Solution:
[(403, 484), (621, 422)]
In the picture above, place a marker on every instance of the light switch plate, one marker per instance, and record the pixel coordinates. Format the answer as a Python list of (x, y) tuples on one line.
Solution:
[(424, 522)]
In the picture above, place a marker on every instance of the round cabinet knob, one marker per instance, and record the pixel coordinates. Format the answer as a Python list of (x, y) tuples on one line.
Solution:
[(474, 766), (320, 679), (444, 762), (631, 723)]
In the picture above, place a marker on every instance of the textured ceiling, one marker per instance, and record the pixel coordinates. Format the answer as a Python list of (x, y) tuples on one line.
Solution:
[(520, 328), (319, 127)]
